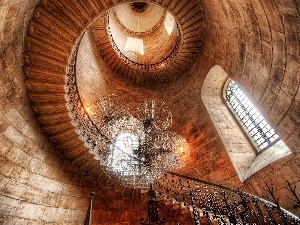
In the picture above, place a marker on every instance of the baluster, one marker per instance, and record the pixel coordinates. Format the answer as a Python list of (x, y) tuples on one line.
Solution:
[(206, 197), (255, 215), (224, 205), (275, 200), (196, 218), (270, 214), (215, 203), (294, 221), (240, 208), (208, 203), (230, 209)]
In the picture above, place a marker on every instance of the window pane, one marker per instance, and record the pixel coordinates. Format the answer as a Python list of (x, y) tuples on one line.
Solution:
[(256, 125)]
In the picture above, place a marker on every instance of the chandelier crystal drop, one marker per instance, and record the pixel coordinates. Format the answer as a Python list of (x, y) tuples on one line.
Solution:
[(135, 148)]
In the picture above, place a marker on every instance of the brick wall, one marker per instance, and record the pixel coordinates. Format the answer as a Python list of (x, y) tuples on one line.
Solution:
[(257, 44), (37, 184)]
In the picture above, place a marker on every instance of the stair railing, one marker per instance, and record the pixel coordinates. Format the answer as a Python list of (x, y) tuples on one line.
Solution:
[(215, 204)]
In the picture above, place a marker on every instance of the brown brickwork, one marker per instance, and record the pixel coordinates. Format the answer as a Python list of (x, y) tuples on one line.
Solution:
[(46, 174)]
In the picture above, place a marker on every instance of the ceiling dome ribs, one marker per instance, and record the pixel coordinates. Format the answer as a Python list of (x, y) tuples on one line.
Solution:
[(40, 85), (81, 18), (49, 37), (58, 40), (89, 165), (194, 13), (188, 7), (44, 98), (171, 5), (62, 136), (192, 35), (53, 118), (180, 6), (56, 129), (104, 5), (95, 170), (44, 59), (35, 45), (71, 148), (44, 65), (68, 141), (82, 158), (103, 178), (75, 151)]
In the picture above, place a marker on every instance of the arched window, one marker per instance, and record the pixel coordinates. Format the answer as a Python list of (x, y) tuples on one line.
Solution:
[(261, 134), (246, 155)]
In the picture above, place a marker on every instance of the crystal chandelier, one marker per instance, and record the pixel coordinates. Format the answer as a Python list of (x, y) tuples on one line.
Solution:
[(134, 148)]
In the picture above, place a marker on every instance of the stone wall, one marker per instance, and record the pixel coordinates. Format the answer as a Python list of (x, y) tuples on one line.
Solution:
[(257, 44), (38, 185), (259, 48)]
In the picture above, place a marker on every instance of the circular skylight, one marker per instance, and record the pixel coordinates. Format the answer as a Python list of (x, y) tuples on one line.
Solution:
[(143, 37), (139, 7)]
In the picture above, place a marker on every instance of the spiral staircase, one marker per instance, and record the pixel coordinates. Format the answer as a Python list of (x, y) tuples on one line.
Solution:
[(49, 44)]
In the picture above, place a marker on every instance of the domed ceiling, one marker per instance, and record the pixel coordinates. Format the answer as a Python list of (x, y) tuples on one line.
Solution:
[(154, 28)]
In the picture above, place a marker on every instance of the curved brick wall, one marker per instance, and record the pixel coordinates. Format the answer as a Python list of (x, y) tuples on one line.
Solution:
[(37, 183), (255, 42), (258, 46)]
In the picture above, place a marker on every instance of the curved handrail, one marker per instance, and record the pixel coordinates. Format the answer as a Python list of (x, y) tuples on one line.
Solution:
[(223, 204)]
